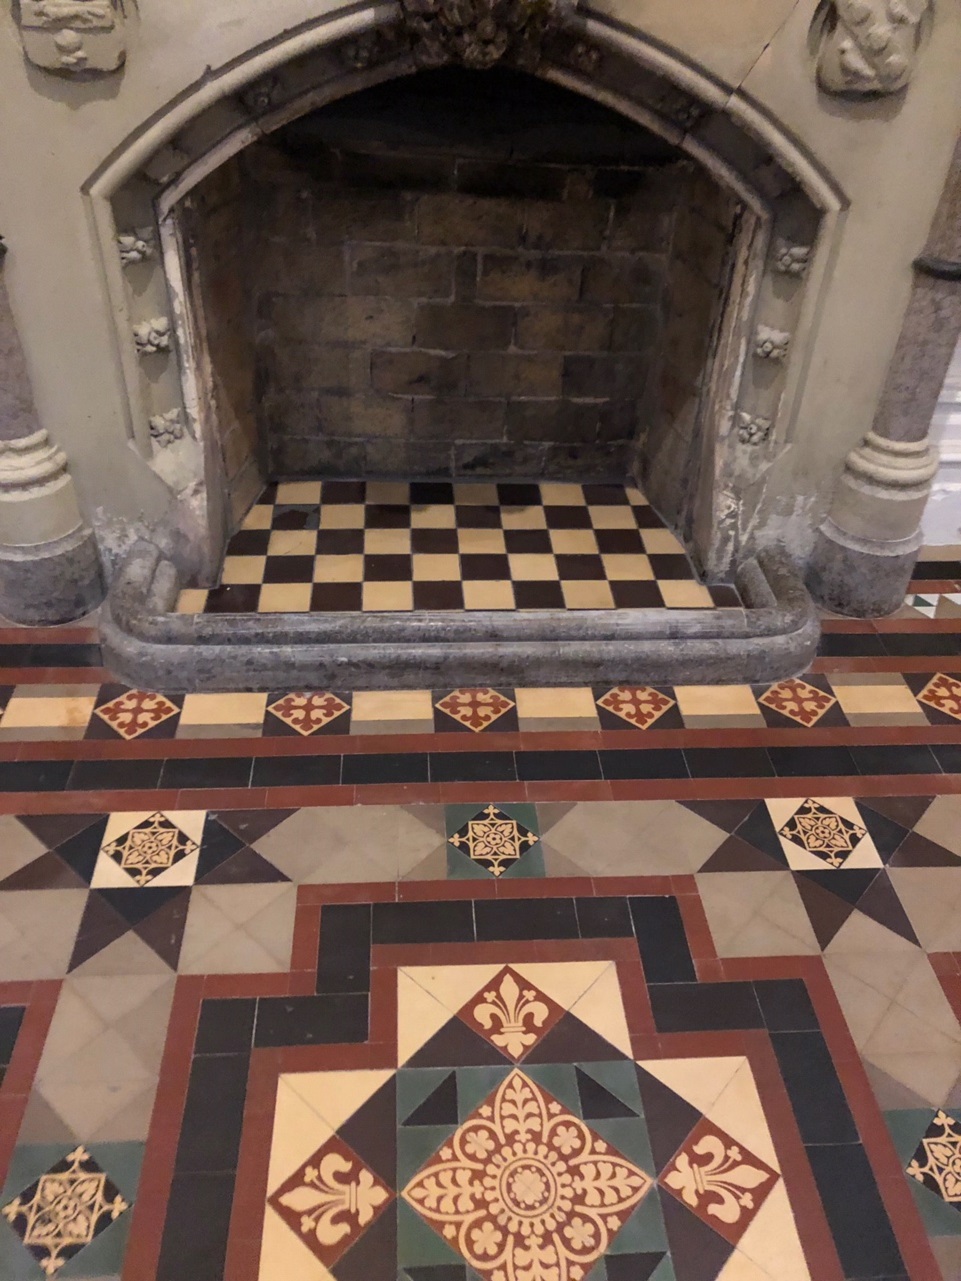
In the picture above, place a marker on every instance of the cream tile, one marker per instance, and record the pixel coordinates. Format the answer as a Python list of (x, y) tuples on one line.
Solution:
[(387, 596), (481, 594), (191, 600), (636, 496), (550, 703), (479, 541), (419, 1016), (627, 568), (336, 1096), (863, 852), (567, 982), (298, 1132), (601, 1008), (223, 709), (292, 542), (52, 713), (339, 569), (259, 516), (433, 516), (772, 1241), (342, 516), (941, 823), (868, 696), (388, 491), (476, 495), (716, 700), (298, 491), (737, 1109), (452, 985), (529, 567), (284, 598), (284, 1255), (243, 569), (661, 542), (393, 705), (386, 542), (436, 568), (738, 1268), (585, 594), (574, 541), (699, 1081), (558, 495), (756, 914), (613, 518), (37, 932), (523, 518), (679, 594), (235, 929)]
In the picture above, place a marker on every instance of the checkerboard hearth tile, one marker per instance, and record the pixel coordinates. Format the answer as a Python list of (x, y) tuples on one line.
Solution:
[(378, 546)]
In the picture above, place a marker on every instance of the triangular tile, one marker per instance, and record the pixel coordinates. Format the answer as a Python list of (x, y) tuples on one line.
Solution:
[(826, 912), (571, 1041), (246, 867), (251, 825), (758, 830), (217, 845), (848, 885), (372, 1131), (455, 1045), (163, 929), (99, 926), (598, 1103), (135, 905), (48, 872), (52, 829), (905, 810), (881, 903), (918, 851), (885, 832), (82, 849), (727, 815), (440, 1106), (633, 1267), (736, 855), (697, 1251), (670, 1119), (374, 1256)]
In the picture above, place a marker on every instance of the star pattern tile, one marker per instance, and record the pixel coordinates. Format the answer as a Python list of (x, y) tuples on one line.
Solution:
[(822, 832), (493, 840), (937, 1161), (150, 848), (475, 708), (798, 700), (135, 712), (308, 712), (639, 705)]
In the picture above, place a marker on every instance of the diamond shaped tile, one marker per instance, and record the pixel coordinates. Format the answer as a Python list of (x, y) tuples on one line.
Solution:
[(639, 705), (474, 707), (511, 1013), (943, 693), (493, 840), (823, 832), (937, 1160), (308, 712), (798, 700), (135, 712), (150, 848)]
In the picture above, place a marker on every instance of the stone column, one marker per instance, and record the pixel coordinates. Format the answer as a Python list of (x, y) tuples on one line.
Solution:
[(867, 547), (49, 565)]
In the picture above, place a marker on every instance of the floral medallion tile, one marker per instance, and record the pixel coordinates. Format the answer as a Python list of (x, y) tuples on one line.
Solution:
[(943, 694), (937, 1161), (525, 1188), (331, 1200), (158, 849), (475, 708), (720, 1180), (638, 705), (511, 1013), (136, 712), (493, 839), (64, 1210), (798, 701), (308, 712), (823, 832)]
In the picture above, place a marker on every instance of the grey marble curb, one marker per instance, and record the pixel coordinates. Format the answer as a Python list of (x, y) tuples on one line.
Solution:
[(150, 646)]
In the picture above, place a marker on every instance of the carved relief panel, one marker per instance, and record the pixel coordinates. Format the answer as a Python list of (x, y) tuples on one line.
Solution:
[(869, 46), (73, 36)]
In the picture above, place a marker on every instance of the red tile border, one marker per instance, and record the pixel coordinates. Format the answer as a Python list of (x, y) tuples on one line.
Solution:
[(40, 999)]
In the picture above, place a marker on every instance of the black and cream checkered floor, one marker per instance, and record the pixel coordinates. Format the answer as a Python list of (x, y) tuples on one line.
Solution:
[(386, 545)]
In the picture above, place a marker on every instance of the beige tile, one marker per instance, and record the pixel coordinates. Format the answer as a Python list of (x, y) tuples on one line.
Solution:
[(574, 541), (559, 495), (228, 709), (931, 896), (717, 700), (298, 491), (387, 596), (629, 568), (349, 843), (55, 713), (531, 567), (243, 569), (338, 569), (436, 569), (292, 542), (476, 495), (259, 516), (37, 932), (550, 703), (641, 838), (433, 516), (523, 518), (488, 595), (342, 516), (192, 600), (661, 542), (636, 496), (613, 518), (940, 551), (587, 594), (393, 705), (481, 541), (679, 594), (388, 491), (234, 929), (284, 598), (864, 695), (941, 823), (387, 542), (756, 914)]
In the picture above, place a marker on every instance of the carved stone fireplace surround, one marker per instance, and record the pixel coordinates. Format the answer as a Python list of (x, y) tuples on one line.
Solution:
[(834, 124)]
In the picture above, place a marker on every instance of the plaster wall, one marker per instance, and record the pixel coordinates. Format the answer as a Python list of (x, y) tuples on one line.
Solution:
[(887, 157)]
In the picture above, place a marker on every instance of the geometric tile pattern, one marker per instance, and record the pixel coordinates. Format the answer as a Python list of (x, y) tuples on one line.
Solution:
[(308, 712), (943, 693), (493, 840), (475, 708), (937, 1161), (511, 1013), (149, 848), (823, 832), (639, 705), (135, 711), (798, 700)]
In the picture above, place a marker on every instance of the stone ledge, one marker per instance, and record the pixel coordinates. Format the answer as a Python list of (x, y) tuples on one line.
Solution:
[(150, 646)]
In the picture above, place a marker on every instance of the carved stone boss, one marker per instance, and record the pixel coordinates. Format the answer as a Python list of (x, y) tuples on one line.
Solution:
[(480, 33), (73, 36), (869, 46)]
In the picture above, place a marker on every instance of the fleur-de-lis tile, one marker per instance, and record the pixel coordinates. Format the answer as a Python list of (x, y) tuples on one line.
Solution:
[(798, 701), (511, 1013), (474, 707), (639, 705), (493, 840), (308, 712), (135, 712)]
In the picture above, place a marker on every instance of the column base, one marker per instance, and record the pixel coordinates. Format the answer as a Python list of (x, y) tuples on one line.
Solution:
[(859, 577), (51, 582)]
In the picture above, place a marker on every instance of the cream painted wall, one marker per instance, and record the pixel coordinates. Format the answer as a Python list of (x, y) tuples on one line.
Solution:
[(889, 158)]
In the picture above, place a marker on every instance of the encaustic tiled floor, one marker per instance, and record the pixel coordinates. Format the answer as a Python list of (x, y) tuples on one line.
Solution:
[(508, 985)]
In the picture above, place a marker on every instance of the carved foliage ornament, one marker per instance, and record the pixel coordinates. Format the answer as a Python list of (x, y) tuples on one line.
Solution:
[(481, 33), (73, 36), (869, 46), (771, 344)]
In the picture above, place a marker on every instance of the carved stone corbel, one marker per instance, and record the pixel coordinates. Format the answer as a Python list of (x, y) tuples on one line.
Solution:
[(73, 37), (481, 33), (869, 47), (771, 344)]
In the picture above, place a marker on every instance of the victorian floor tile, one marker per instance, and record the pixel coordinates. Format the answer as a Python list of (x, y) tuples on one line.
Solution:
[(37, 932), (365, 843), (233, 929)]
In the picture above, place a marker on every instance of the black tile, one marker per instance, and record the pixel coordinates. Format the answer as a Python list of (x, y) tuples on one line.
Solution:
[(910, 644), (522, 541), (387, 569), (289, 569), (855, 1212), (705, 1007), (601, 495), (850, 645), (343, 491), (196, 1227), (936, 570), (557, 765), (948, 756), (439, 922), (477, 516), (538, 595), (574, 567), (11, 1016), (567, 517), (486, 567), (465, 767), (35, 776), (672, 566), (339, 597), (724, 597), (374, 767), (519, 495), (343, 953), (620, 542), (812, 1084), (904, 758), (249, 542), (798, 762), (387, 516), (328, 1019), (295, 516), (62, 655), (437, 595), (646, 595), (213, 1114), (226, 1026), (340, 542), (107, 775), (206, 771), (603, 918), (235, 598), (541, 918), (785, 1005), (434, 542), (728, 762), (423, 493), (662, 940), (295, 771), (643, 763)]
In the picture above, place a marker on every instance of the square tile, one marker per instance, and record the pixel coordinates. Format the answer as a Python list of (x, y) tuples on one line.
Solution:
[(436, 595), (627, 568), (481, 541), (483, 495), (259, 516), (292, 542), (661, 542), (565, 702), (533, 568), (192, 600), (387, 596), (223, 709), (387, 541), (523, 518), (155, 849), (243, 569), (684, 595), (867, 698), (708, 706), (573, 541), (338, 569), (488, 595), (342, 516), (587, 595), (283, 598), (492, 839), (434, 516), (613, 518), (388, 491), (562, 495), (439, 568), (299, 491), (393, 705), (820, 833), (474, 707)]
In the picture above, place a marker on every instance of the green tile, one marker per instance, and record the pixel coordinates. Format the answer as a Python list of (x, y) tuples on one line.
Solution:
[(416, 1146), (104, 1255), (664, 1270), (629, 1138), (474, 1084), (418, 1245), (461, 867), (598, 1272), (558, 1079), (644, 1230), (907, 1125), (529, 864), (940, 1218), (457, 815), (414, 1085), (618, 1078)]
